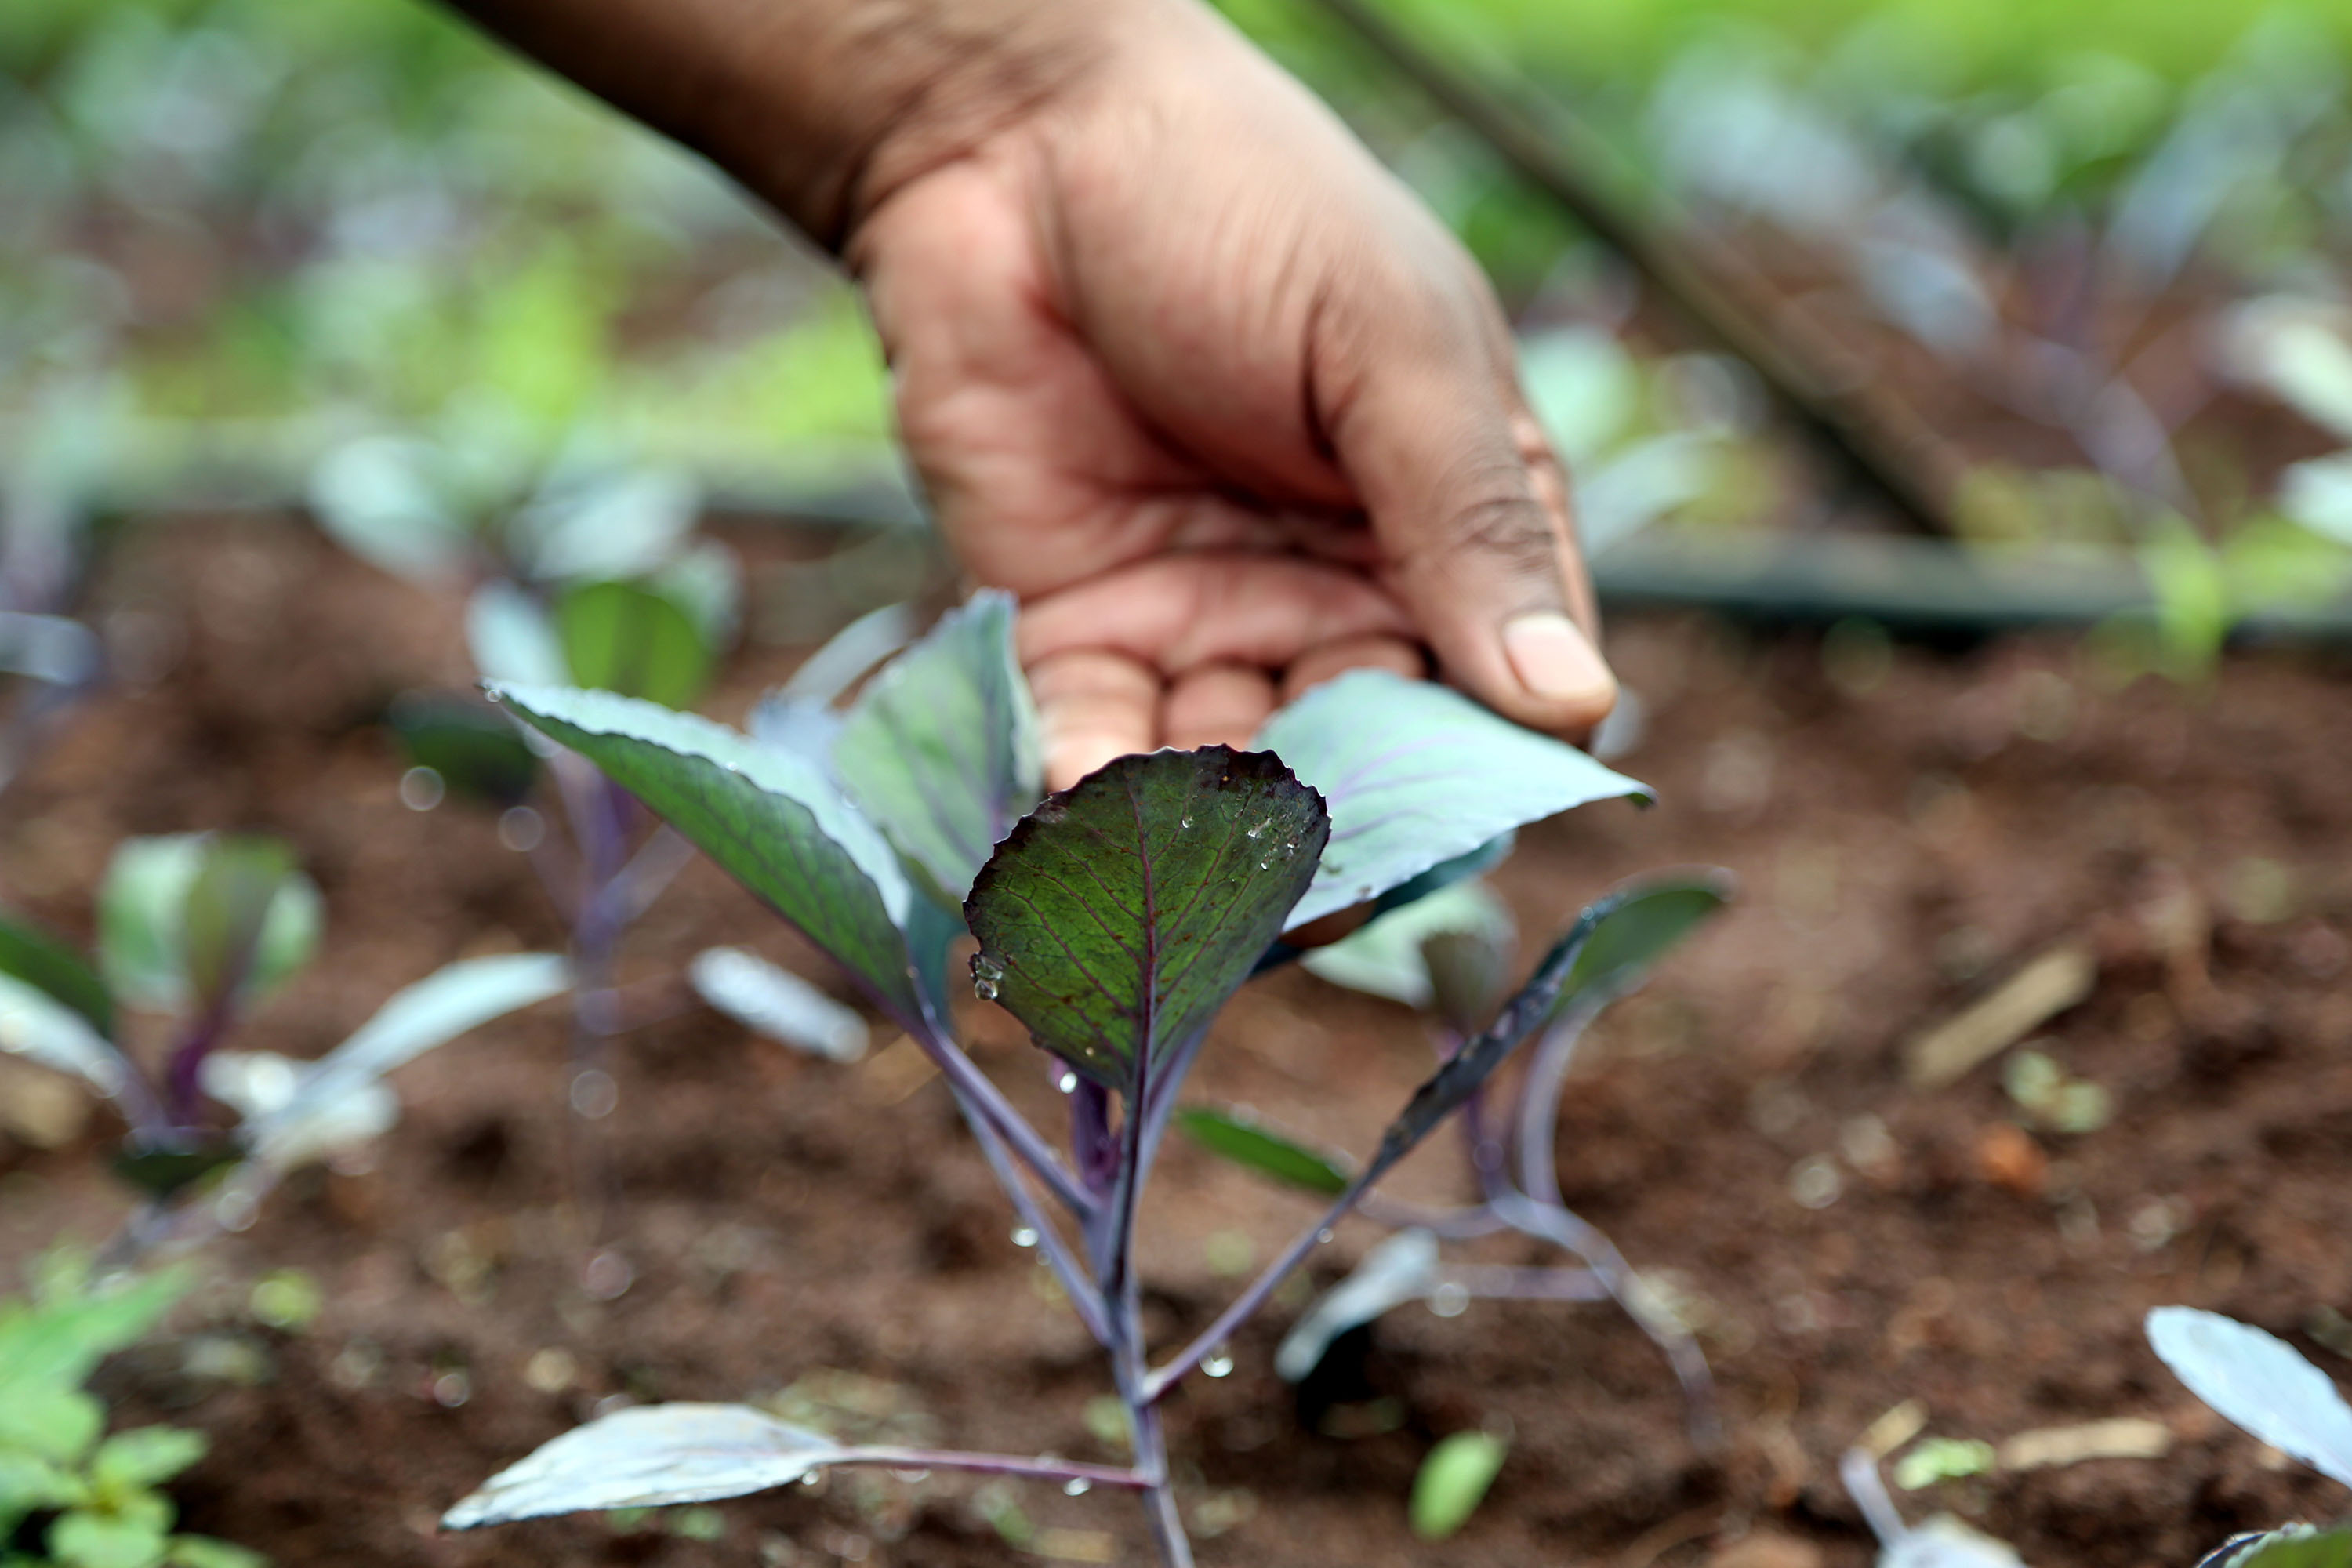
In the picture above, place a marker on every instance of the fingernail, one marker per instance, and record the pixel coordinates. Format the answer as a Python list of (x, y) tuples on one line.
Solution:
[(1556, 662)]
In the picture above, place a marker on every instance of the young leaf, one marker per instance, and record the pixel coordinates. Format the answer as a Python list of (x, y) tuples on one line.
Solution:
[(56, 1343), (33, 956), (445, 1005), (382, 499), (235, 891), (1120, 915), (1401, 1269), (610, 526), (55, 1423), (651, 1455), (1415, 775), (510, 637), (770, 818), (1644, 923), (1385, 958), (1246, 1140), (204, 1552), (624, 638), (37, 1027), (777, 1004), (85, 1540), (941, 750), (2260, 1382), (144, 937), (145, 1457), (1453, 1482)]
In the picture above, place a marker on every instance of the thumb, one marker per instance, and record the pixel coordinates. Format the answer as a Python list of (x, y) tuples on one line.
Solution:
[(1471, 510)]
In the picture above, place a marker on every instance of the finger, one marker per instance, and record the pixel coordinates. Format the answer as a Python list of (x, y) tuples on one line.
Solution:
[(1092, 707), (1178, 612), (1216, 705), (1421, 416), (1318, 665)]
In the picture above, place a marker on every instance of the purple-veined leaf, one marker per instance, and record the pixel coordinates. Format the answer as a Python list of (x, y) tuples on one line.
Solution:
[(772, 819), (941, 750), (652, 1456), (1414, 774), (1121, 914), (2260, 1382)]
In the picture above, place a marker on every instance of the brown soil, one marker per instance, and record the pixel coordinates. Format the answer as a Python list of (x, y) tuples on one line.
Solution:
[(1905, 836)]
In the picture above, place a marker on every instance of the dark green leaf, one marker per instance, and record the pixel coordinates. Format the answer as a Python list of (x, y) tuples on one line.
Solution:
[(1247, 1142), (237, 882), (1416, 776), (942, 749), (41, 960), (1645, 924), (1647, 933), (164, 1170), (478, 753), (1453, 1481), (770, 818), (1120, 915), (624, 638)]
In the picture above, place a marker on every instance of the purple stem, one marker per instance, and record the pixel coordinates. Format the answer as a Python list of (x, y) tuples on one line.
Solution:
[(1156, 1385), (1093, 1145), (1449, 1225), (993, 1465), (1502, 1282)]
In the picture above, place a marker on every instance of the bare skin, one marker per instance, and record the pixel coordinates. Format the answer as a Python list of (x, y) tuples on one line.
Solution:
[(1177, 361)]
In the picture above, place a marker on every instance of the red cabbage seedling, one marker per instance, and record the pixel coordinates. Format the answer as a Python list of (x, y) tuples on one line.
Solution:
[(1115, 919)]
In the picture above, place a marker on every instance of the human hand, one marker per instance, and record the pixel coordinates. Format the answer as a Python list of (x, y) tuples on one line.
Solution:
[(1186, 370)]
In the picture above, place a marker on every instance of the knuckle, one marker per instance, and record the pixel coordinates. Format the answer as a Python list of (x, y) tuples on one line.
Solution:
[(1507, 530)]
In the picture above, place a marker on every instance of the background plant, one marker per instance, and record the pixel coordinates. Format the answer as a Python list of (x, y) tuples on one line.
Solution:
[(197, 930)]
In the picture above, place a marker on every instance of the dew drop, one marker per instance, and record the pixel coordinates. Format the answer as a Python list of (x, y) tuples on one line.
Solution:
[(1023, 1236), (1267, 864), (1323, 1236), (1077, 1485), (594, 1094), (1187, 820), (985, 989), (1450, 1300), (1067, 1083), (912, 1478), (422, 789), (1218, 1363), (1259, 831), (987, 976)]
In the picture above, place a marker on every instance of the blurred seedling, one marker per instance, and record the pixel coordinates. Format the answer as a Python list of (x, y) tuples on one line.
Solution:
[(579, 574), (195, 932), (1448, 955), (72, 1493), (1114, 920)]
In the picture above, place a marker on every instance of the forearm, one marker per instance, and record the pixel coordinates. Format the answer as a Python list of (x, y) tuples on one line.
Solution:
[(820, 107)]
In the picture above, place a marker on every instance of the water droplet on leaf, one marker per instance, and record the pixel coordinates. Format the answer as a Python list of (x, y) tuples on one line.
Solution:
[(1077, 1485), (1023, 1236), (1067, 1083), (1218, 1363)]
